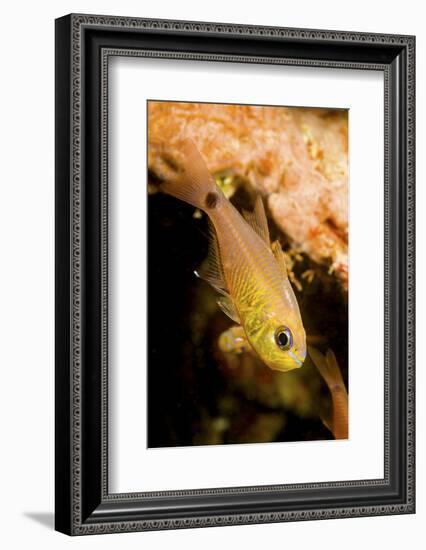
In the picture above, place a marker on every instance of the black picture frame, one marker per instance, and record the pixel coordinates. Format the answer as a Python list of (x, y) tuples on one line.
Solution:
[(83, 46)]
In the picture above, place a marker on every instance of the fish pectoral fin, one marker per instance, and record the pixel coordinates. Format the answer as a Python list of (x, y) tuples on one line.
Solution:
[(280, 258), (234, 340), (227, 306), (212, 270), (257, 219)]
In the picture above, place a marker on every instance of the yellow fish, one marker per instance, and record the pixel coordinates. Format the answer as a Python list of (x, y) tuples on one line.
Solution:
[(248, 272)]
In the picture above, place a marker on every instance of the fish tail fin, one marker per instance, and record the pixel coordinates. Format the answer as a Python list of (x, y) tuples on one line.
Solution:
[(192, 182), (328, 368)]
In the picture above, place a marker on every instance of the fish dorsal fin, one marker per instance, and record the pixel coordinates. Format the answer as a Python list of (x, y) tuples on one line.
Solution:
[(212, 270), (227, 306), (257, 219), (279, 256)]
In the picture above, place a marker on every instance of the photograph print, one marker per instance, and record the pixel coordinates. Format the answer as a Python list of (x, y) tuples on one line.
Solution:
[(247, 274)]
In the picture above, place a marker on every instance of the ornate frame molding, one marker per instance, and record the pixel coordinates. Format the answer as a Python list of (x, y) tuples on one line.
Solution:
[(72, 46)]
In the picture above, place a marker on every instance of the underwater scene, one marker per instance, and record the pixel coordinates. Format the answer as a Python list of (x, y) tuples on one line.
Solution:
[(247, 274)]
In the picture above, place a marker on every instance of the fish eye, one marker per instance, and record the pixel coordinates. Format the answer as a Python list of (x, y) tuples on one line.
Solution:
[(283, 338)]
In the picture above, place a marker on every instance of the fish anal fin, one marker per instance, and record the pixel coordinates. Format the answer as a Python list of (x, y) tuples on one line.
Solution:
[(257, 219), (280, 258), (211, 270), (227, 306)]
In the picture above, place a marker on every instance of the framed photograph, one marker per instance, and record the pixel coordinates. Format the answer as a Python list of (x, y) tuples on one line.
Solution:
[(234, 274)]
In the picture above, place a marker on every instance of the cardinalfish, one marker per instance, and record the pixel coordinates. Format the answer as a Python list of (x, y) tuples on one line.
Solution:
[(330, 371), (247, 271)]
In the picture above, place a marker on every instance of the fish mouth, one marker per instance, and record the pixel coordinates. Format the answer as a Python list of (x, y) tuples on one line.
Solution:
[(299, 359)]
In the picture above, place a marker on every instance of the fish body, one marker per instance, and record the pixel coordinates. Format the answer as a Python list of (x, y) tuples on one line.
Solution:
[(245, 269)]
